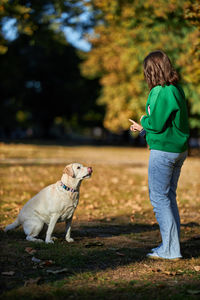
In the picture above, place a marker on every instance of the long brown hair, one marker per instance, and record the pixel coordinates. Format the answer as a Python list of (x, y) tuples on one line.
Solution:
[(158, 70)]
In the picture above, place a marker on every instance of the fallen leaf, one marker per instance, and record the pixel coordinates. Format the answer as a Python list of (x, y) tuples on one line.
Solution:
[(47, 263), (169, 273), (36, 260), (197, 268), (93, 244), (113, 249), (115, 180), (161, 286), (193, 292), (10, 273), (30, 250), (120, 254), (57, 271), (31, 281)]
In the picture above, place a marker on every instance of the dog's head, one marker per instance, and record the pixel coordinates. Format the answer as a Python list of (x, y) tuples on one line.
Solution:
[(77, 171)]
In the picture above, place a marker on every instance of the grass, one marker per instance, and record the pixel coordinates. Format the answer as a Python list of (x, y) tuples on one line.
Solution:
[(114, 228)]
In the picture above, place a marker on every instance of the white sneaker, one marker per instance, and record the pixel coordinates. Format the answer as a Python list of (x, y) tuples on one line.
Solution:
[(154, 255)]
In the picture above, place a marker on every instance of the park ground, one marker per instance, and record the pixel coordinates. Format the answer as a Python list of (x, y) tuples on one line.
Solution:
[(114, 227)]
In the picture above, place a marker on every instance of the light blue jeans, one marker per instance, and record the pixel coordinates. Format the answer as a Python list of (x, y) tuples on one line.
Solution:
[(163, 174)]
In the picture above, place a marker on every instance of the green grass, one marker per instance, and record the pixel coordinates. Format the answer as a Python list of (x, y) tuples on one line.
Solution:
[(114, 228)]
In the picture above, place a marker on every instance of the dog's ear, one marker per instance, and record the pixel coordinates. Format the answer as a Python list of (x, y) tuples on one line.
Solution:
[(68, 170)]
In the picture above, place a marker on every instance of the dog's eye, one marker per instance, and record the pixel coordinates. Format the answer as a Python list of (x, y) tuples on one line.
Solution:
[(78, 167)]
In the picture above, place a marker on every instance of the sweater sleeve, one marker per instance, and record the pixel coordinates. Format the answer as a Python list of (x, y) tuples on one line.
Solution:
[(162, 105)]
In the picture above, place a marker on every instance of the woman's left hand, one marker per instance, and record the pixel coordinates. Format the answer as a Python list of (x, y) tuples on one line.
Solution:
[(141, 117)]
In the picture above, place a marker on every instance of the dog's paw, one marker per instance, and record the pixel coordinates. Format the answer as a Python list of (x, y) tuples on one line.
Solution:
[(39, 241), (32, 239), (69, 240), (49, 241), (54, 238)]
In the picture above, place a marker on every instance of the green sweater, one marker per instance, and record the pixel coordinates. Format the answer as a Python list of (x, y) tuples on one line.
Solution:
[(166, 123)]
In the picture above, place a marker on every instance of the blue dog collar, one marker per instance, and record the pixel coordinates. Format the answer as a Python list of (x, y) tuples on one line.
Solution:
[(68, 188)]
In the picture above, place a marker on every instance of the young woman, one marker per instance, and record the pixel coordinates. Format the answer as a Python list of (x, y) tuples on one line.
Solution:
[(166, 127)]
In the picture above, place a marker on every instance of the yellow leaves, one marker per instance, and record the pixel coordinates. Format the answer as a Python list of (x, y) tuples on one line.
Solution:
[(3, 49), (192, 12), (2, 8), (120, 44), (110, 79), (197, 268), (26, 29), (20, 9), (128, 11), (191, 66), (26, 16)]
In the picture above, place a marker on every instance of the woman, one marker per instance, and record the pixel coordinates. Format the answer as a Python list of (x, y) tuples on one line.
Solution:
[(167, 132)]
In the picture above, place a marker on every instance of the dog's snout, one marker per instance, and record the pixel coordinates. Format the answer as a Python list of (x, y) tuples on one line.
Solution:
[(90, 170)]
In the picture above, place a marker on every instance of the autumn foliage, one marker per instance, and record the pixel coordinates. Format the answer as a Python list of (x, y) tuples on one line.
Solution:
[(122, 33), (125, 32)]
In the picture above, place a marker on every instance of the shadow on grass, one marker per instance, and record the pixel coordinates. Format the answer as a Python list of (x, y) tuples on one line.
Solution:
[(97, 247), (107, 230), (117, 290), (190, 224)]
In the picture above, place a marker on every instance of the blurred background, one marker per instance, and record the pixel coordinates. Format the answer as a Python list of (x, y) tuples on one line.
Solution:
[(71, 71)]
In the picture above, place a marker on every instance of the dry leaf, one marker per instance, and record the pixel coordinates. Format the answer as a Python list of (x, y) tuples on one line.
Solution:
[(30, 250), (115, 180), (58, 271), (120, 254), (161, 286), (197, 268), (47, 263), (10, 273), (169, 273), (31, 281), (93, 244), (113, 249), (193, 292)]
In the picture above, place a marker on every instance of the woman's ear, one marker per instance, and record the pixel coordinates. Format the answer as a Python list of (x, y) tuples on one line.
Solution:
[(69, 170)]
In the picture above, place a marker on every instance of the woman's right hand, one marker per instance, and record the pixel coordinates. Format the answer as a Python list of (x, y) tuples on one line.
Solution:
[(135, 126)]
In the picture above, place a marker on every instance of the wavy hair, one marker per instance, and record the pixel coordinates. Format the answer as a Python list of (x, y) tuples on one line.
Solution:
[(158, 70)]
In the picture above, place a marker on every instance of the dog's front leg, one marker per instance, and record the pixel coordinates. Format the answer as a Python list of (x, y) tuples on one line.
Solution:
[(52, 223), (68, 230)]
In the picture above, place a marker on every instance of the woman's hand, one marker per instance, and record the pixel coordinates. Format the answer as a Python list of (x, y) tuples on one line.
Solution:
[(135, 126), (141, 117)]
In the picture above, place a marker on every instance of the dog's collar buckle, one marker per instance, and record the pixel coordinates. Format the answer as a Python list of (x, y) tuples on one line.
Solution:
[(68, 188)]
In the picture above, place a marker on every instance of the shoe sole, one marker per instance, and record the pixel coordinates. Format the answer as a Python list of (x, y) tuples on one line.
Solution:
[(162, 258)]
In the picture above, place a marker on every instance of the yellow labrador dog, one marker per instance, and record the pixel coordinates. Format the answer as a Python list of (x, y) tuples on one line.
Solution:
[(55, 203)]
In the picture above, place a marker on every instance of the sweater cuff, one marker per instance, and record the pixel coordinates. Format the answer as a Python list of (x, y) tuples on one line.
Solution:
[(143, 133)]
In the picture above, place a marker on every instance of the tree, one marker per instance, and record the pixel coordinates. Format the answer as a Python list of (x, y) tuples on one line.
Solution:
[(40, 80), (190, 62), (125, 32)]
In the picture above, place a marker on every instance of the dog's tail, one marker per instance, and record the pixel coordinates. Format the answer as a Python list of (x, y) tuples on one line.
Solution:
[(15, 224)]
